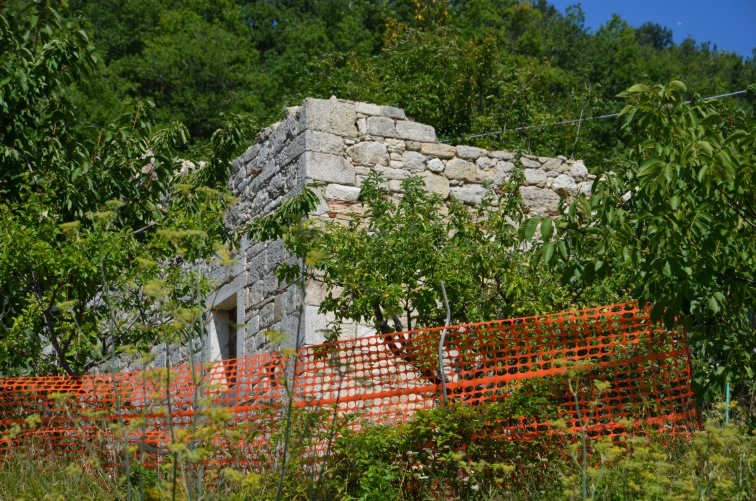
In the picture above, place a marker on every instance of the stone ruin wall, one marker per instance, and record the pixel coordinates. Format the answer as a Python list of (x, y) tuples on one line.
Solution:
[(336, 144)]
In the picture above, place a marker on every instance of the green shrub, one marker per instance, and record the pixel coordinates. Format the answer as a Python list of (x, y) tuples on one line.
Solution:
[(459, 452), (714, 463)]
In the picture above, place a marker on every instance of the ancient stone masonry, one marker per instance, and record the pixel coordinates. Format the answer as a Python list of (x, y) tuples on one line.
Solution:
[(337, 144)]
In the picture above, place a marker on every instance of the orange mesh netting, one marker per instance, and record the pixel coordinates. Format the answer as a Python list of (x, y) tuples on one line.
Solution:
[(381, 379)]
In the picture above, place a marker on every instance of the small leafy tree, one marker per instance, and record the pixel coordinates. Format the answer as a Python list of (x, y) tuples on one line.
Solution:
[(85, 219), (388, 264), (681, 218)]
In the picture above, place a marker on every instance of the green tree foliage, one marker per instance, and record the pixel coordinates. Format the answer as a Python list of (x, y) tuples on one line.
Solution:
[(615, 61), (387, 266), (657, 36), (194, 67), (464, 67), (510, 67), (84, 220), (193, 59), (461, 85), (289, 35), (36, 62), (682, 217)]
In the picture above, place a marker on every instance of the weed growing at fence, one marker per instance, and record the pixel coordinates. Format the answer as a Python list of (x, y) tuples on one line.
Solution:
[(457, 452), (718, 462), (212, 430), (445, 453)]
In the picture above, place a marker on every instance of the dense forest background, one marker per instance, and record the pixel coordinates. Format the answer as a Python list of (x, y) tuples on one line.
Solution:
[(467, 67)]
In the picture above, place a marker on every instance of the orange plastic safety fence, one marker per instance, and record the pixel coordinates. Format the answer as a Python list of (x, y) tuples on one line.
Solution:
[(235, 405)]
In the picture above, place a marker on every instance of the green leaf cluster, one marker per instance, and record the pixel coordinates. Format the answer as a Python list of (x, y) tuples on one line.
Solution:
[(387, 265), (680, 220), (96, 228)]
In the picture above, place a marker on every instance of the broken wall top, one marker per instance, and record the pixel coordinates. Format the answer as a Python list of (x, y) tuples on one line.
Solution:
[(337, 143)]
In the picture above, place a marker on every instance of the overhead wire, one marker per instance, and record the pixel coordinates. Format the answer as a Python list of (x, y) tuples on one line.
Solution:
[(578, 120)]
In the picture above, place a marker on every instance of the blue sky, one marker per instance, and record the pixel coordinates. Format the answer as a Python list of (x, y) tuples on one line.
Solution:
[(729, 24)]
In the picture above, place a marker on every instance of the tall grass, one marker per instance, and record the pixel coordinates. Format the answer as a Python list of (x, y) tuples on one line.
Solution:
[(438, 455), (32, 477)]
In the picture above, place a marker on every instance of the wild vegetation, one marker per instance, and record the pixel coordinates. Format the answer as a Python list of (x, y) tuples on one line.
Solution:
[(440, 454), (112, 182), (464, 67)]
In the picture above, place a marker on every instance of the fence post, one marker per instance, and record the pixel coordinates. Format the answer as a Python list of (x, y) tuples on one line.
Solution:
[(441, 371)]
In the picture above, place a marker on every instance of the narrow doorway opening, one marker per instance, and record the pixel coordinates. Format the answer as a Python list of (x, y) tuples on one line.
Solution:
[(223, 340)]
